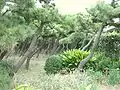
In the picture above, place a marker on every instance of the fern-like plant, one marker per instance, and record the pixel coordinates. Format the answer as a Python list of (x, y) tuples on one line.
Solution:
[(72, 58)]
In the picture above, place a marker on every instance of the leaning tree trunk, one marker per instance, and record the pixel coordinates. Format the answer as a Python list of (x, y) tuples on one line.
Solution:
[(28, 53), (30, 50), (57, 49), (84, 42), (10, 50), (28, 59), (23, 49), (55, 45), (40, 47), (96, 42), (48, 46), (2, 54), (89, 43)]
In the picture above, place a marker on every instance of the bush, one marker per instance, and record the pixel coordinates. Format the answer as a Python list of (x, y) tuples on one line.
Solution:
[(72, 58), (53, 64), (65, 62), (102, 63), (5, 78), (110, 44)]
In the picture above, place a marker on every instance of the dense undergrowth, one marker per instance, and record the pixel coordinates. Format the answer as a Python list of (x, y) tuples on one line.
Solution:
[(36, 77), (6, 75), (69, 60), (101, 69), (66, 61)]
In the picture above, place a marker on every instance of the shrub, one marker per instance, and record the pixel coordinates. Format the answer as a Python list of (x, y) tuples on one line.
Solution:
[(53, 64), (102, 63), (5, 78), (110, 44), (65, 62), (72, 58)]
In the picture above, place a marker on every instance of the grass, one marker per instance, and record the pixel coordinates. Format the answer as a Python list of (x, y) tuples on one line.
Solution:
[(37, 78)]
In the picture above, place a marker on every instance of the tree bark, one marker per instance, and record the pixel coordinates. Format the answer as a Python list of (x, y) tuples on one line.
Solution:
[(89, 43), (23, 49), (84, 42), (30, 50), (55, 45), (2, 54), (40, 48), (57, 49), (63, 47), (96, 42), (28, 59), (48, 46)]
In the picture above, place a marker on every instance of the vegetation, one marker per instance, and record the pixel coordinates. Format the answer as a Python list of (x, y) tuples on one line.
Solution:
[(5, 75), (72, 58), (53, 64), (66, 61), (80, 42), (110, 44)]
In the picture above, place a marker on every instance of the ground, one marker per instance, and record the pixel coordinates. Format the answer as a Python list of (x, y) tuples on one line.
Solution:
[(37, 78)]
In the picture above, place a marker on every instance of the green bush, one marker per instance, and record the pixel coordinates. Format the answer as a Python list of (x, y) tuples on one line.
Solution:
[(5, 78), (65, 62), (110, 44), (72, 58), (101, 63), (53, 64)]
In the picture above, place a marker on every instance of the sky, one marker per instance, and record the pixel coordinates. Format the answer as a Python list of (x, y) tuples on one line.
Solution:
[(70, 6), (74, 6)]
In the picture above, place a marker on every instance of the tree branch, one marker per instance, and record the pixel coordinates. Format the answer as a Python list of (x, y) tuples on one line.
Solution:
[(114, 24)]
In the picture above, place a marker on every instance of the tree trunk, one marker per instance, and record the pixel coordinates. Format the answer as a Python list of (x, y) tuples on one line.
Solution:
[(28, 59), (48, 46), (7, 54), (67, 46), (28, 53), (39, 50), (2, 54), (89, 43), (84, 42), (31, 48), (63, 47), (96, 42), (58, 48), (10, 50), (55, 45), (23, 49)]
